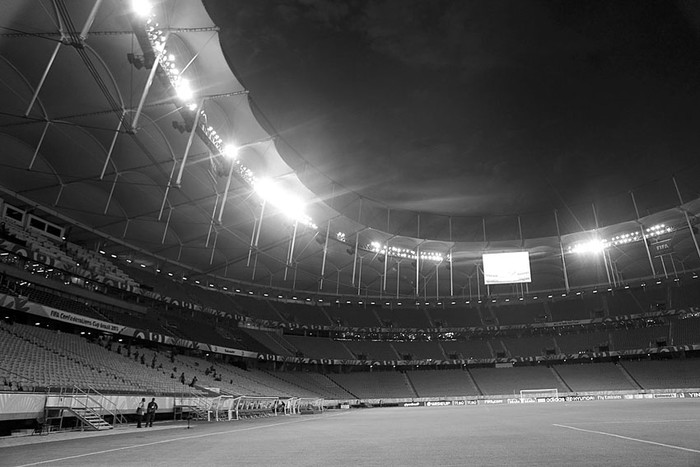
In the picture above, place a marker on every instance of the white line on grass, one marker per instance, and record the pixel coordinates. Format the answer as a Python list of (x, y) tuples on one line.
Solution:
[(620, 422), (628, 438), (163, 441)]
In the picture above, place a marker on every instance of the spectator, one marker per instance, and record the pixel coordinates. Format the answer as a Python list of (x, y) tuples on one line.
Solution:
[(139, 412), (151, 412)]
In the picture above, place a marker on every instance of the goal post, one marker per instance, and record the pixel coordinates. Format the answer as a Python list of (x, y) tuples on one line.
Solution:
[(534, 394)]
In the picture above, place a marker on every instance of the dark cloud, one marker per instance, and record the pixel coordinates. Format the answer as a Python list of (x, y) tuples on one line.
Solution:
[(474, 106)]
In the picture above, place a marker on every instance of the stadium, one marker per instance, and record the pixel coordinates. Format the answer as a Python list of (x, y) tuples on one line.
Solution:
[(363, 233)]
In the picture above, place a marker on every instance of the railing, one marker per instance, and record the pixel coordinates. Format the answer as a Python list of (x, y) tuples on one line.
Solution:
[(104, 403)]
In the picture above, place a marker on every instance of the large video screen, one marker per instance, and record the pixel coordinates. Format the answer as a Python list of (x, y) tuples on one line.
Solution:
[(506, 268)]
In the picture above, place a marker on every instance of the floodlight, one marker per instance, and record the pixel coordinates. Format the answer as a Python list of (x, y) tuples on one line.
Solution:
[(291, 205), (141, 7), (183, 89), (592, 246), (231, 151)]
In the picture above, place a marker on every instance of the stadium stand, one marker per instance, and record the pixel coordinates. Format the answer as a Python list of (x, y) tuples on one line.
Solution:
[(455, 316), (659, 374), (101, 267), (572, 343), (624, 302), (512, 380), (354, 316), (529, 345), (52, 359), (403, 317), (443, 383), (601, 376), (375, 384), (257, 308), (685, 331), (474, 348), (319, 347), (302, 314), (373, 350), (520, 313), (314, 383), (685, 295), (575, 308), (274, 342), (419, 350), (640, 338)]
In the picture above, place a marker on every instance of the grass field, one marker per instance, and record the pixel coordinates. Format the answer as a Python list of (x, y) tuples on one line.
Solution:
[(610, 433)]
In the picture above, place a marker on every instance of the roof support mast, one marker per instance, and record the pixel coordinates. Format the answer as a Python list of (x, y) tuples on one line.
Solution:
[(644, 235), (149, 82), (561, 249), (687, 219)]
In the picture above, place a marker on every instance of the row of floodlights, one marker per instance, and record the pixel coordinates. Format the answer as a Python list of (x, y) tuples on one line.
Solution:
[(599, 245), (407, 253), (400, 303), (591, 246), (287, 203)]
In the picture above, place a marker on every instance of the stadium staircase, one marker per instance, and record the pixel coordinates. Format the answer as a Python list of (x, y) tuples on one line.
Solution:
[(91, 419), (410, 385), (560, 380), (196, 407), (90, 407), (476, 385), (629, 376), (488, 344)]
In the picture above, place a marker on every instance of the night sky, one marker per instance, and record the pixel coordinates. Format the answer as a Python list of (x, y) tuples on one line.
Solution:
[(474, 107)]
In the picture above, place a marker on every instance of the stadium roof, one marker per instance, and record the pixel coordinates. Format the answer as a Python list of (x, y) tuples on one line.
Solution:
[(451, 131)]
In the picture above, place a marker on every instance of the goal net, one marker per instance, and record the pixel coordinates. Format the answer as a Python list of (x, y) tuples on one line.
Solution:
[(534, 394)]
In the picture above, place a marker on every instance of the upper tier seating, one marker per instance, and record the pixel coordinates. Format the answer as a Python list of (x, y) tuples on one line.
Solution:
[(373, 350), (520, 313), (99, 265), (276, 343), (474, 348), (639, 338), (577, 308), (403, 317), (354, 316), (302, 314), (628, 302), (526, 346), (685, 331), (455, 316), (258, 308), (419, 350), (686, 295), (320, 347), (571, 343)]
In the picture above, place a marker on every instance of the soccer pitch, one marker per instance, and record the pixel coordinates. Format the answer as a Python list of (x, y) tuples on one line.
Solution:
[(610, 433)]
